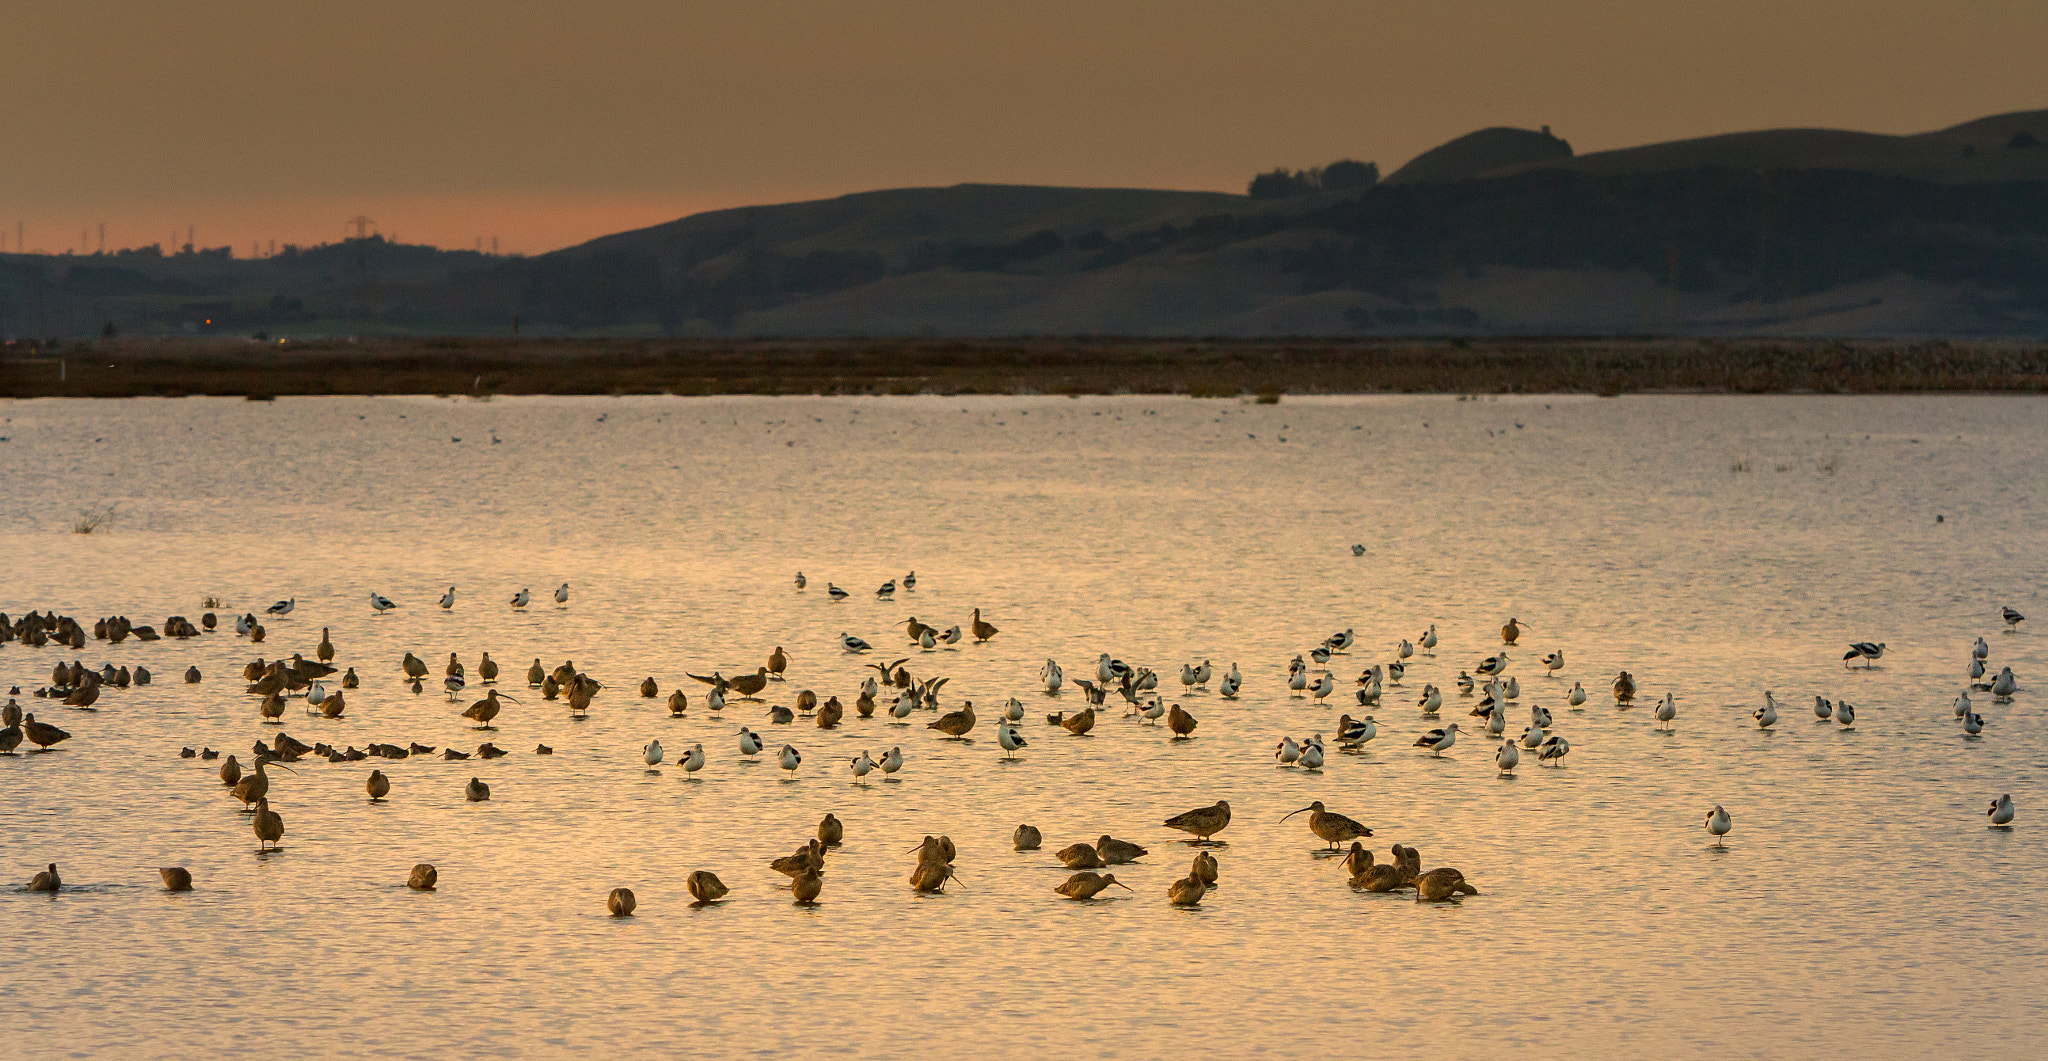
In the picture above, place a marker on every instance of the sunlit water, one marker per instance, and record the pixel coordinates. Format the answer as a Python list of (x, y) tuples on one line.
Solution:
[(1861, 902)]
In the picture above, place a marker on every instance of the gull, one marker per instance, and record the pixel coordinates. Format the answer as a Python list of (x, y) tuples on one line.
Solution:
[(1438, 740), (1823, 708), (1845, 713), (1577, 696), (750, 742), (2001, 808), (1532, 736), (1428, 638), (1506, 756), (1287, 752), (2013, 619), (651, 752), (1352, 732), (1667, 708), (861, 766), (562, 593), (851, 643), (1554, 662), (835, 592), (381, 602), (1865, 651), (283, 607), (522, 598), (448, 599), (1980, 650), (791, 758), (1052, 676), (692, 761), (1718, 824), (801, 581), (892, 761), (1553, 750), (1767, 715)]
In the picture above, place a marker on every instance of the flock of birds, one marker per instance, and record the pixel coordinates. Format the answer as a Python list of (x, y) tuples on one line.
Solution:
[(1488, 683)]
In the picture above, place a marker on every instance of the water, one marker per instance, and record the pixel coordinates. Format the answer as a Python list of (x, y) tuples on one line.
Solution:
[(1860, 902)]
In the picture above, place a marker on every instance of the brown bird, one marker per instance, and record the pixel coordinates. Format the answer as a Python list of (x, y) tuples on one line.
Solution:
[(1080, 856), (42, 734), (1084, 885), (484, 710), (378, 786), (1080, 723), (1333, 828), (830, 714), (1440, 884), (1510, 632), (268, 824), (748, 684), (621, 902), (450, 753), (230, 771), (809, 858), (830, 831), (1624, 687), (936, 849), (1203, 822), (648, 689), (176, 878), (487, 750), (192, 676), (865, 704), (46, 881), (413, 666), (931, 875), (705, 887), (476, 791), (254, 787), (1409, 862), (334, 705), (1026, 838), (804, 887), (1180, 722), (1358, 860), (1117, 852), (349, 679), (806, 702), (777, 663), (487, 669), (1187, 891), (326, 649), (455, 668), (272, 706), (534, 674), (982, 631), (423, 877), (85, 695), (677, 703), (1204, 866), (955, 723)]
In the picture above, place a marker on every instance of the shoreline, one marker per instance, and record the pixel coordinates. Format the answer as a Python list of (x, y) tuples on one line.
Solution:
[(1215, 368)]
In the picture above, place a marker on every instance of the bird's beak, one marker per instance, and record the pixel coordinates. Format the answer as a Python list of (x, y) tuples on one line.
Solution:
[(1122, 885), (1284, 818)]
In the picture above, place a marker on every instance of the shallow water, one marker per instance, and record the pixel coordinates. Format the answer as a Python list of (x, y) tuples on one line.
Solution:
[(1860, 902)]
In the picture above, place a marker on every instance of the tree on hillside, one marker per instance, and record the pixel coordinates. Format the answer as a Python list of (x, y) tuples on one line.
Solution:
[(1343, 175)]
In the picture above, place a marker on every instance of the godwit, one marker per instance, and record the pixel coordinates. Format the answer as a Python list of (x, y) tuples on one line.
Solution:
[(268, 824), (378, 786), (1079, 856), (1085, 885), (831, 832), (423, 877), (46, 881), (1180, 722), (1026, 838), (176, 878), (982, 631), (955, 723), (1187, 891), (1331, 827), (1204, 866), (1202, 822), (1117, 852), (620, 902), (705, 887), (1441, 884), (476, 791), (42, 734)]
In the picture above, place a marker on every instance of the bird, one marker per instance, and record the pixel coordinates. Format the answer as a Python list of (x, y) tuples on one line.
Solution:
[(651, 752), (892, 761), (1824, 709), (2013, 619), (448, 599), (1718, 824), (1492, 665), (42, 734), (381, 603), (750, 743), (1405, 649), (778, 661), (2001, 812), (1052, 677), (2003, 686), (1180, 722), (705, 887), (1080, 856), (801, 581), (176, 878), (1079, 724), (1440, 885), (955, 723), (1507, 756), (1553, 750), (1358, 549), (268, 825), (1510, 632), (484, 710), (476, 791), (620, 902), (791, 758), (1554, 662), (1287, 751), (1342, 640), (1428, 639), (1624, 687), (378, 786), (852, 643), (692, 760), (886, 589), (982, 630), (1026, 838), (835, 592), (1332, 828), (861, 766), (1667, 708), (1187, 891), (1231, 683), (1438, 741), (522, 598), (1865, 651), (423, 877), (46, 881), (1845, 713), (1532, 736), (1311, 756), (1202, 822), (283, 607), (562, 594), (1980, 650), (1117, 852), (1973, 723), (1085, 885), (1767, 715), (1009, 739), (1577, 696), (1354, 732)]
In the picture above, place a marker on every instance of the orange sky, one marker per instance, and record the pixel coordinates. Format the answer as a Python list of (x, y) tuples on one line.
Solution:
[(545, 124)]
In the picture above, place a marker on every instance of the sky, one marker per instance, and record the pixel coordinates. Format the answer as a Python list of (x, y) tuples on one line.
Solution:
[(546, 124)]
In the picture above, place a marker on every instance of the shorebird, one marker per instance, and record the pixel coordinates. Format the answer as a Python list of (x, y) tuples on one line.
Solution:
[(982, 631), (1324, 686), (268, 825), (620, 902), (910, 582), (2013, 619), (1354, 732), (378, 786), (651, 752), (42, 734), (853, 644), (1187, 891), (2003, 686), (1230, 684), (1085, 885), (1009, 739), (1432, 699), (1358, 549), (423, 877), (381, 603), (2000, 813), (486, 709), (1667, 709), (476, 791), (283, 607), (791, 758), (1180, 722), (1510, 632), (1287, 752), (448, 599), (861, 766), (1976, 669), (1492, 665), (692, 760), (176, 878), (1202, 822), (1532, 736), (1080, 856), (1342, 640), (1553, 663), (801, 581), (835, 592), (1845, 713), (522, 598), (1767, 715), (1864, 650), (1438, 741), (1553, 750), (1405, 649), (1980, 650), (886, 589), (562, 594), (1117, 852), (1624, 687), (892, 761), (705, 887), (1312, 755), (1026, 838), (1973, 723), (46, 881), (750, 744), (1080, 723), (955, 723), (1332, 828), (1052, 676), (1718, 824), (1298, 681), (1428, 640), (1823, 708), (1506, 756)]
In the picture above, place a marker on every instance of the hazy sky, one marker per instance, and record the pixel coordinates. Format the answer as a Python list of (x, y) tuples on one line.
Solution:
[(549, 123)]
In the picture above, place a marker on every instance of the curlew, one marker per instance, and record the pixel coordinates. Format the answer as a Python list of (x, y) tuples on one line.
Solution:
[(1510, 632)]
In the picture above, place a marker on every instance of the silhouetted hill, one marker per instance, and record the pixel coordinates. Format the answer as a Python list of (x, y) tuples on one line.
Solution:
[(1476, 154)]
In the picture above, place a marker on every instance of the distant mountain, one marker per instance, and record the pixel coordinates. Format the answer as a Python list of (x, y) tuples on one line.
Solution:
[(1501, 231)]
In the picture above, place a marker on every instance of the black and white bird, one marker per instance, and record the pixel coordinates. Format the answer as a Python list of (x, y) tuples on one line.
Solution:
[(2013, 619), (1961, 703), (1980, 650), (448, 599), (1320, 653), (1438, 741), (1865, 651), (1553, 750), (1492, 665), (1506, 756), (1767, 715), (1358, 550), (522, 598), (1845, 713), (1352, 732), (886, 589), (283, 607), (562, 593), (1973, 723), (801, 581), (835, 592), (1823, 708), (791, 758), (750, 743), (2001, 808), (1554, 662), (1342, 642), (1667, 708), (381, 602), (1718, 824), (852, 643)]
